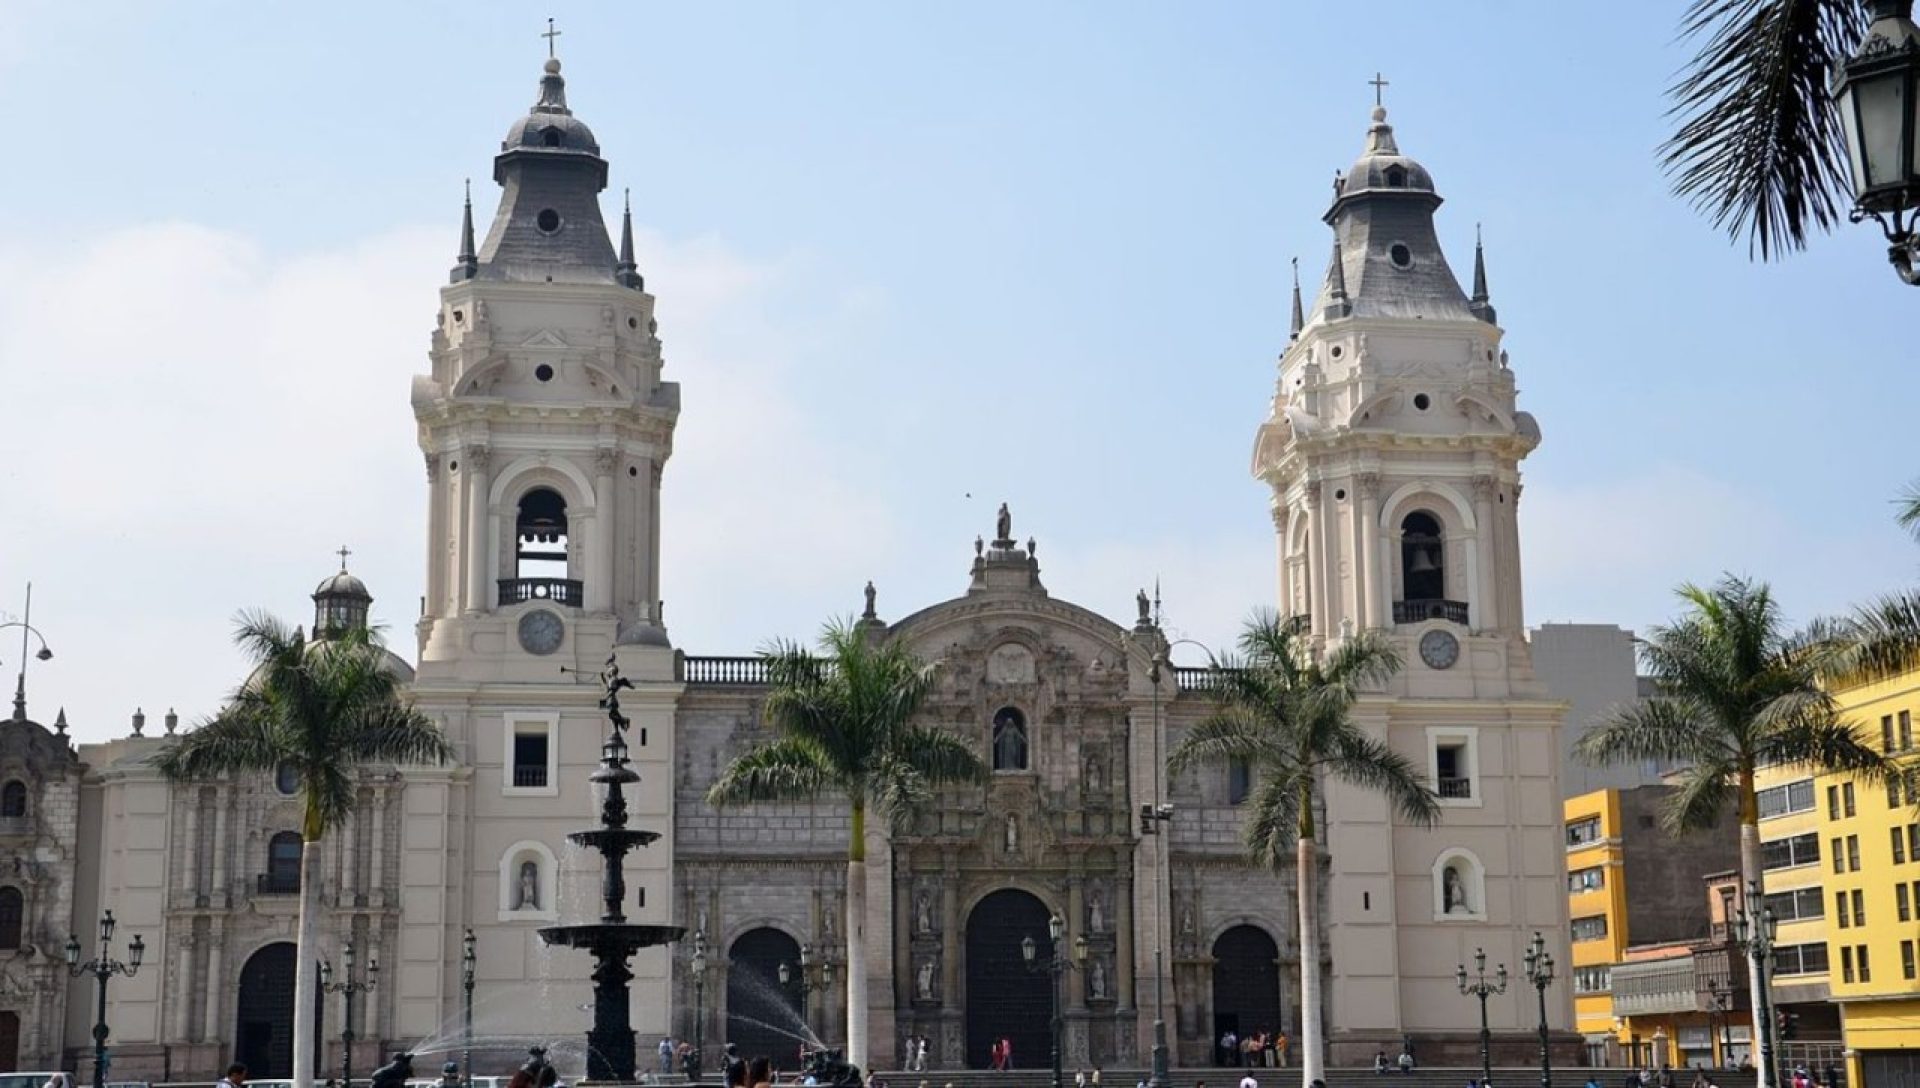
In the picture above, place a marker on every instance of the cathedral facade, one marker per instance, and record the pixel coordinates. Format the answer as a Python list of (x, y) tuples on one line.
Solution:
[(546, 424)]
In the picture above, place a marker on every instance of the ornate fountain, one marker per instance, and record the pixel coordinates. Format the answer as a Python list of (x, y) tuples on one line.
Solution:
[(613, 940)]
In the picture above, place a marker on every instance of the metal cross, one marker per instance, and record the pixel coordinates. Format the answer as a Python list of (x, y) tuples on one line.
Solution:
[(343, 553), (1377, 83), (550, 35)]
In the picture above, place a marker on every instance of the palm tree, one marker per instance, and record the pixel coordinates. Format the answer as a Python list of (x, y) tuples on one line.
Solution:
[(1284, 713), (322, 707), (1734, 691), (1881, 638), (845, 719), (1759, 147)]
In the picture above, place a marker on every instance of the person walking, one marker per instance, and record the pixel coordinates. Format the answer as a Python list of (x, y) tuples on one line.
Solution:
[(1280, 1048), (1229, 1047), (1247, 1081), (1006, 1053), (666, 1056), (236, 1077)]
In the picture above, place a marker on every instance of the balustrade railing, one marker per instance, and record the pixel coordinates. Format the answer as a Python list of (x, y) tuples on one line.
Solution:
[(1421, 611), (1457, 789), (724, 670), (564, 591), (277, 884)]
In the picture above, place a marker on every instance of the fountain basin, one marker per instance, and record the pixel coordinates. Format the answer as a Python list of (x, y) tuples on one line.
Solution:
[(610, 935), (619, 839)]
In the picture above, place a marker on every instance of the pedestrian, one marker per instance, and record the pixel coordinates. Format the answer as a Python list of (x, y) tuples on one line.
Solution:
[(1592, 1082), (1832, 1075), (1247, 1081), (1006, 1052), (1229, 1047), (995, 1060), (736, 1067), (760, 1073), (1079, 1078), (1380, 1064), (1406, 1061), (666, 1056), (236, 1077), (1096, 1077), (920, 1055), (1280, 1048)]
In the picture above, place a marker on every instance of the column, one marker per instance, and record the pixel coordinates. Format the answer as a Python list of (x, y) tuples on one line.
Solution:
[(1282, 559), (350, 851), (1510, 531), (215, 1027), (1123, 949), (1486, 610), (191, 875), (903, 965), (1076, 927), (436, 539), (949, 933), (599, 572), (1388, 560), (376, 850), (653, 548), (218, 894), (1330, 564), (183, 988), (1317, 604), (1373, 610), (476, 548)]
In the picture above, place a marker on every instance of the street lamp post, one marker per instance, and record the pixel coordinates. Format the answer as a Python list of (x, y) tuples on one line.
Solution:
[(102, 967), (811, 976), (468, 960), (1754, 934), (346, 988), (1722, 995), (44, 654), (699, 965), (1483, 989), (1056, 964), (1874, 90), (1540, 974)]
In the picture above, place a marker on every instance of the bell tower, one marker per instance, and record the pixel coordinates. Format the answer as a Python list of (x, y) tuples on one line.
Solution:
[(545, 422), (1392, 452)]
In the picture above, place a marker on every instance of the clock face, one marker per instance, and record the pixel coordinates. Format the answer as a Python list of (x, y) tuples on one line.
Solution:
[(1439, 649), (541, 631)]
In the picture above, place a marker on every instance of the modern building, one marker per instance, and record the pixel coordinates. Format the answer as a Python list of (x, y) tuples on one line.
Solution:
[(1592, 668), (546, 421)]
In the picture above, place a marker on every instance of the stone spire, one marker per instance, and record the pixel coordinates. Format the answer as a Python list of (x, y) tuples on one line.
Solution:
[(468, 263), (20, 698), (1337, 304), (1480, 305), (626, 273), (549, 227), (1299, 318)]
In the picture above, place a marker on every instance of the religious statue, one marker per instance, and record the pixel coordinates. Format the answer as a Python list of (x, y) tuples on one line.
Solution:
[(924, 980), (1097, 912), (1186, 921), (923, 914), (1453, 892), (395, 1073), (1145, 606), (1003, 527), (1097, 980), (1033, 548), (979, 545), (1013, 833), (826, 924), (869, 614), (1093, 772), (529, 886)]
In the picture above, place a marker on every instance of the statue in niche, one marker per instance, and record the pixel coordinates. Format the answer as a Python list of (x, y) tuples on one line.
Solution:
[(1097, 911), (923, 914), (1186, 921), (1453, 891), (1003, 527), (1093, 772), (826, 923), (923, 980), (1013, 833), (1097, 980), (529, 892)]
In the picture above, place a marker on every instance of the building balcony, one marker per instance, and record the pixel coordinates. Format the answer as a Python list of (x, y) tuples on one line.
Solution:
[(566, 591), (277, 884), (1422, 611), (530, 777), (1454, 789), (15, 825)]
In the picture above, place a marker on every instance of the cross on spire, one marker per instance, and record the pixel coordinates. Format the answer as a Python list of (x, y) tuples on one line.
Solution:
[(343, 553), (1378, 83), (550, 35)]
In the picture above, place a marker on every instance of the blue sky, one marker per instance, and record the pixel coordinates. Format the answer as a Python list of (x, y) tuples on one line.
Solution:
[(912, 260)]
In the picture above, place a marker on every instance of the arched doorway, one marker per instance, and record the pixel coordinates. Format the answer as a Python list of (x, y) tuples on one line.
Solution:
[(1246, 983), (263, 1041), (1004, 999), (9, 1040), (763, 1017)]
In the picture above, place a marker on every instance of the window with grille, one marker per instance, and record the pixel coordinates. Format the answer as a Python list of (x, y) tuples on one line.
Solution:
[(1902, 904), (1853, 853), (1899, 835), (1590, 929), (1787, 853), (1846, 797), (1794, 906), (1906, 959), (1846, 963), (1586, 880), (1866, 967), (1859, 907), (1800, 959), (1840, 909), (13, 799), (1592, 980), (1783, 800), (1581, 832)]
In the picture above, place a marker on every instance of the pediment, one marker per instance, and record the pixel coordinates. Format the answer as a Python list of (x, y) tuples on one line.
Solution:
[(545, 338)]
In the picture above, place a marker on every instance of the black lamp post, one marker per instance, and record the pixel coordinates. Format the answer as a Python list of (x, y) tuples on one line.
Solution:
[(812, 976), (1482, 989), (468, 961), (102, 968), (346, 988), (1875, 90), (1755, 936), (1722, 995), (1540, 974), (1056, 964), (699, 966)]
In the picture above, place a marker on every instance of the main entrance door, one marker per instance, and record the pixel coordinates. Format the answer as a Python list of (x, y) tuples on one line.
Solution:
[(763, 1017), (1246, 985), (1004, 999), (9, 1040), (264, 1039)]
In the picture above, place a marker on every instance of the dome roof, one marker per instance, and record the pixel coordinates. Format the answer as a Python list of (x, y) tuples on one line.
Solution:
[(550, 126), (1381, 166), (342, 584)]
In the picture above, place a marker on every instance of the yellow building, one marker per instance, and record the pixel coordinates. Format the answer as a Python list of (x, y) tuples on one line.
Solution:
[(1872, 891), (1596, 909)]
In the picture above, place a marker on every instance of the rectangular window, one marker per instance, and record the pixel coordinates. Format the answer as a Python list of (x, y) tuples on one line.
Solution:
[(1592, 980), (1453, 763), (1893, 791), (1913, 841), (1906, 731), (1899, 845), (1902, 903), (1800, 959), (1859, 907), (1839, 857), (1906, 959), (1787, 853), (1239, 781), (1853, 853), (1846, 963), (1840, 908), (1590, 929), (1790, 798), (531, 756), (529, 760), (1581, 832), (1886, 733), (1833, 802), (1846, 798), (1794, 906), (1586, 880), (1866, 968)]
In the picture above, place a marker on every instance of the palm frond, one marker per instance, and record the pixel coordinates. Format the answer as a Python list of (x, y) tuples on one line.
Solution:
[(234, 741), (786, 769), (1270, 830), (1665, 727), (1370, 764), (1828, 745), (1702, 795), (940, 757), (1879, 641), (1759, 147), (1908, 515), (1234, 733)]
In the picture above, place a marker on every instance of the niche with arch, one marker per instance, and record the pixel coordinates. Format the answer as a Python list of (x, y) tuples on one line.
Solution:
[(1009, 740), (1459, 887), (529, 883), (1423, 558), (13, 800)]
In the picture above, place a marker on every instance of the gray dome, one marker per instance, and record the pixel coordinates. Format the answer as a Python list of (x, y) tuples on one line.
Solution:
[(343, 584), (1382, 167), (550, 125)]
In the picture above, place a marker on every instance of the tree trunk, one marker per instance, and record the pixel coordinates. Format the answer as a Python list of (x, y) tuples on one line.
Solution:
[(856, 931), (307, 951), (1750, 873), (1312, 1045)]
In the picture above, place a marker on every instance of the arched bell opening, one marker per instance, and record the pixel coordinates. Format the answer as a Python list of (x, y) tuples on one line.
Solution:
[(1423, 573), (541, 570)]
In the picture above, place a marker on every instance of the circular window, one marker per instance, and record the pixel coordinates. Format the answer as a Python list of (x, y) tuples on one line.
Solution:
[(453, 466), (1400, 255), (1421, 401), (632, 471), (548, 221), (1340, 495), (1336, 352), (543, 372), (286, 779), (634, 323), (459, 316)]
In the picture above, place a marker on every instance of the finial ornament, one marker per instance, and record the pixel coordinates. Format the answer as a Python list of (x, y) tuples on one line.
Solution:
[(343, 553), (1299, 320), (1378, 83), (550, 35)]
